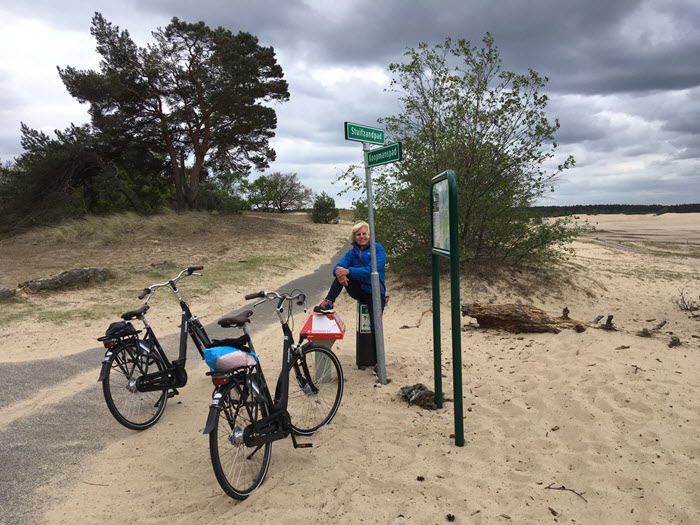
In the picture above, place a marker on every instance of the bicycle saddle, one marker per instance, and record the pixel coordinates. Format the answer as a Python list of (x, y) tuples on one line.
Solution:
[(236, 320), (135, 314)]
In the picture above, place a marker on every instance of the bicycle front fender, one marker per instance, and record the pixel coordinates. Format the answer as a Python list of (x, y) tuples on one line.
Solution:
[(214, 409), (105, 367)]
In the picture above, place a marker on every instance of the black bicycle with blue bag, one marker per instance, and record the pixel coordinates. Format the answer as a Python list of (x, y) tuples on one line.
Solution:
[(137, 376), (245, 418)]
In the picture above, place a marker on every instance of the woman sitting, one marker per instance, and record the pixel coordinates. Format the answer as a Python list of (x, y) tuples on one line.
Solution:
[(354, 273)]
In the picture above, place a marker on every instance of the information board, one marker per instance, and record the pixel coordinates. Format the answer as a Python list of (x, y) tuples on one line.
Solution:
[(441, 217)]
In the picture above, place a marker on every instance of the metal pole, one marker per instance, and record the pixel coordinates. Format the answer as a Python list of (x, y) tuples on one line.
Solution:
[(437, 353), (376, 300), (456, 322)]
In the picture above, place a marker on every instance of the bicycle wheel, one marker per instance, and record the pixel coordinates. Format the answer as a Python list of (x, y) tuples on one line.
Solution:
[(239, 469), (315, 389), (133, 409)]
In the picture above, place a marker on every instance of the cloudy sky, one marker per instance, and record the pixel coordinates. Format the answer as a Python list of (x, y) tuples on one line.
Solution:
[(624, 76)]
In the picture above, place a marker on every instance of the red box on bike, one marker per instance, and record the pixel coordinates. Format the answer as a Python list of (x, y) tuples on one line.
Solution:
[(324, 326)]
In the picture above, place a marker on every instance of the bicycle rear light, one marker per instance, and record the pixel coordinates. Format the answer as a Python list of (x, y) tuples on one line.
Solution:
[(109, 344), (218, 381)]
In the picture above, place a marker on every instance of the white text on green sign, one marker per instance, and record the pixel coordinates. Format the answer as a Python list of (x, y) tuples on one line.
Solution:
[(385, 155), (363, 133)]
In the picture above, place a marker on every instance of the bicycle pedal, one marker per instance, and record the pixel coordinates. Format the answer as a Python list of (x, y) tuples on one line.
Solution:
[(173, 393), (300, 445)]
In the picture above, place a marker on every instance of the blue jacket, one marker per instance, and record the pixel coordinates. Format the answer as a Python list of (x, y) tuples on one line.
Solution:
[(359, 262)]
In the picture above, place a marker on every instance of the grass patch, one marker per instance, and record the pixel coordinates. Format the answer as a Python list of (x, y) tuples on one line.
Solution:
[(219, 273), (104, 229), (61, 312)]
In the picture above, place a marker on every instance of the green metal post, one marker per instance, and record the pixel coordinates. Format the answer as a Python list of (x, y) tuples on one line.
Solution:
[(455, 307), (436, 330)]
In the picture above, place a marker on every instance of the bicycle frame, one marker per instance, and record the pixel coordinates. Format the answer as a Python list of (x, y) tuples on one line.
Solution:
[(277, 424), (174, 375)]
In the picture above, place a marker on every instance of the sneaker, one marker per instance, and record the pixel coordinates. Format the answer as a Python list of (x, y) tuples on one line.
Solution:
[(326, 307)]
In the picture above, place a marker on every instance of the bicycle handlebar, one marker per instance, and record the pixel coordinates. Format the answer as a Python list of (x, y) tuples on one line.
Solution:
[(268, 296), (190, 270)]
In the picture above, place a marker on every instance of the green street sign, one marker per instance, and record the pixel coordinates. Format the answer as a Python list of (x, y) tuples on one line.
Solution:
[(385, 155), (363, 133)]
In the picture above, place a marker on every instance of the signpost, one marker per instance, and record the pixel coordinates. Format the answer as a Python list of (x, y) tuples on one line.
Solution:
[(363, 133), (376, 157), (445, 243), (385, 155)]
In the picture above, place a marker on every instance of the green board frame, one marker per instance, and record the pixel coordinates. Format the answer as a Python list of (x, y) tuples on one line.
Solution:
[(445, 243)]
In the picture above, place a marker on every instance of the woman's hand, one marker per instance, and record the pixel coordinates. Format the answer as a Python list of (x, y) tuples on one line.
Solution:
[(342, 275)]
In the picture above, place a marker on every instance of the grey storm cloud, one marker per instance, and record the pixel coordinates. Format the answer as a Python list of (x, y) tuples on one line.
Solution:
[(624, 80)]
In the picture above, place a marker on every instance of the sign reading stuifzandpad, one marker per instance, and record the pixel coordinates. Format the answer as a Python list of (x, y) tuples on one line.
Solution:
[(363, 133), (385, 155)]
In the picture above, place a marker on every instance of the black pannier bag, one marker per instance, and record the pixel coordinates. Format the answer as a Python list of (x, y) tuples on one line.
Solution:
[(241, 343), (120, 329)]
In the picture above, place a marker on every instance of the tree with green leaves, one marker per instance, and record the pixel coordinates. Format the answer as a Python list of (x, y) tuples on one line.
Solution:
[(462, 111), (279, 192), (195, 95), (324, 210), (73, 174)]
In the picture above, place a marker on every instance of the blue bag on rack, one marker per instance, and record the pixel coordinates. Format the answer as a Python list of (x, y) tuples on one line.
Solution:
[(223, 358)]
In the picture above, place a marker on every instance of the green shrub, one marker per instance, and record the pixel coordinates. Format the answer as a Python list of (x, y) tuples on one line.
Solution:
[(324, 210), (212, 198)]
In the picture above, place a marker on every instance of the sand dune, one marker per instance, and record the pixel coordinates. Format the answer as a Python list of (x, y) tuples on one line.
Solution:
[(609, 415)]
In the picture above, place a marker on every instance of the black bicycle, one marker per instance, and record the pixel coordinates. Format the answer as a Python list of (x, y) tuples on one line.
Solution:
[(137, 377), (244, 418)]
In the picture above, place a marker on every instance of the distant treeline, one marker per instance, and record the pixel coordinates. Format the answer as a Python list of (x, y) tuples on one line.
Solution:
[(604, 209)]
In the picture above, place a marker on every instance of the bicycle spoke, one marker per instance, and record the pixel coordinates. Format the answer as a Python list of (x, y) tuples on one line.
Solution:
[(133, 409), (315, 395), (238, 468)]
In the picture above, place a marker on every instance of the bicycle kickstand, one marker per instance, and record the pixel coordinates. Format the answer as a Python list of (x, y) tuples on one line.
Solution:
[(300, 445)]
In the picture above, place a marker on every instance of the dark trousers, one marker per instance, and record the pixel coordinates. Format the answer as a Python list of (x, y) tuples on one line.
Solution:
[(355, 291)]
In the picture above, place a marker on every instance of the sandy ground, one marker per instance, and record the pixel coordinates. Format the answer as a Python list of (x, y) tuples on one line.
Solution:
[(612, 416)]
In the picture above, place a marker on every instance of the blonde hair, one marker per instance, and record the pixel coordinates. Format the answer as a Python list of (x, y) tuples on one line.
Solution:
[(357, 226)]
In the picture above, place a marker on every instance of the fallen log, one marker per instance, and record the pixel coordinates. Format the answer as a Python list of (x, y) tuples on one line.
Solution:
[(68, 279), (7, 293), (519, 318)]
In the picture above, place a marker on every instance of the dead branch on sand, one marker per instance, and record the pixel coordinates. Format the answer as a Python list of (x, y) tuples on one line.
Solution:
[(686, 304), (645, 332), (579, 494), (419, 320), (609, 325)]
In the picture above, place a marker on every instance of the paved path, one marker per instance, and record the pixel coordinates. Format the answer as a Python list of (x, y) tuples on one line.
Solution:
[(37, 443)]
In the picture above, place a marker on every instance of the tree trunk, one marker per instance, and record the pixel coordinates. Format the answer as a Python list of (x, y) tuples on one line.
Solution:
[(518, 318), (192, 192), (178, 170), (130, 196), (180, 184)]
